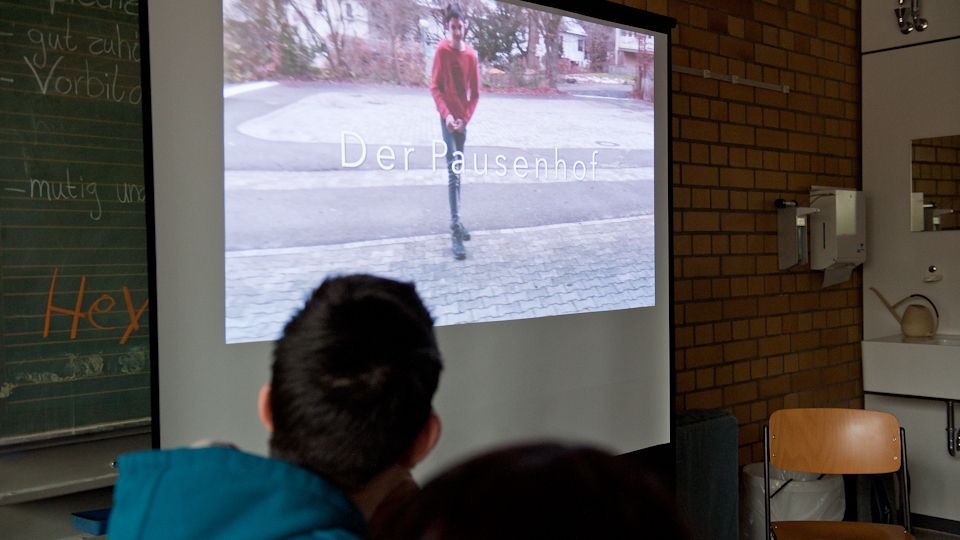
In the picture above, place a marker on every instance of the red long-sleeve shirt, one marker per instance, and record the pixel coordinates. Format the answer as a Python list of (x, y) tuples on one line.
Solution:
[(455, 83)]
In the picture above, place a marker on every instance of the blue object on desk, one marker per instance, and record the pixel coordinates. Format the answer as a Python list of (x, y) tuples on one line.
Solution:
[(92, 521)]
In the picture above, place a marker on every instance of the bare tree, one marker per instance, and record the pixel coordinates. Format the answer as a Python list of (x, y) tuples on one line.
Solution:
[(600, 45), (260, 43), (550, 28), (395, 21), (533, 39), (334, 13), (644, 89)]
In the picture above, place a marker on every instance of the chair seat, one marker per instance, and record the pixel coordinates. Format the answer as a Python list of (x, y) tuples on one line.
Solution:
[(838, 530)]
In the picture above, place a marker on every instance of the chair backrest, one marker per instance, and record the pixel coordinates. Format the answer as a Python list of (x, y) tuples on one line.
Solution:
[(835, 441)]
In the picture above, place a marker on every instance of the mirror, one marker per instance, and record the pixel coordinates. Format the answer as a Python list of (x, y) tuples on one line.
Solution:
[(935, 197)]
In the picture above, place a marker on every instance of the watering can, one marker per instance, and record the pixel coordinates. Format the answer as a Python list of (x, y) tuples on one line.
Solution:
[(917, 321)]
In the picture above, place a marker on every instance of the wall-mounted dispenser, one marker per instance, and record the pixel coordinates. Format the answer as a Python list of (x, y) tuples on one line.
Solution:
[(838, 239), (792, 234), (916, 211), (931, 216)]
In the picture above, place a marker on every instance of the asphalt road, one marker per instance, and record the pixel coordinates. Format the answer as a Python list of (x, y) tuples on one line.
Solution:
[(258, 219)]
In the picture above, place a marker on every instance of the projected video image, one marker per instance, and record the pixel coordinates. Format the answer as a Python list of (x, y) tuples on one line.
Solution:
[(500, 157)]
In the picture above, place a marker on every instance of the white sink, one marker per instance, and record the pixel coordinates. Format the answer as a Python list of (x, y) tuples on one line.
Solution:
[(921, 367)]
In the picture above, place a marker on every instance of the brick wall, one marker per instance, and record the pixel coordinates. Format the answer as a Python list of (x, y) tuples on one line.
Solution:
[(752, 339)]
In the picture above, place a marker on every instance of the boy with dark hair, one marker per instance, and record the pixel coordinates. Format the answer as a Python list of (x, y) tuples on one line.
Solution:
[(455, 85), (348, 407)]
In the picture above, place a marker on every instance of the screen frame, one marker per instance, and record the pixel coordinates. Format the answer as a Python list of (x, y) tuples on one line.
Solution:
[(603, 11)]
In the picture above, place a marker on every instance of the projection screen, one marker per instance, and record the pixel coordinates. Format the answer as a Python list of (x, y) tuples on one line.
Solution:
[(556, 322)]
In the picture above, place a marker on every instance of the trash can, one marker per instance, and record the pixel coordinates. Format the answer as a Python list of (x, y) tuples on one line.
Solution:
[(797, 496)]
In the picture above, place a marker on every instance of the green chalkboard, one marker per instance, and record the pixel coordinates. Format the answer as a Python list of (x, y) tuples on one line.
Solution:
[(74, 353)]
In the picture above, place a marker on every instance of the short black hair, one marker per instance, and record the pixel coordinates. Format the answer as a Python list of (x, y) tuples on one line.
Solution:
[(353, 378), (452, 11), (547, 490)]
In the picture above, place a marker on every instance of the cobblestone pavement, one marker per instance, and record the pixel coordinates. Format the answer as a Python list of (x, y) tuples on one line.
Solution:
[(508, 274), (291, 180)]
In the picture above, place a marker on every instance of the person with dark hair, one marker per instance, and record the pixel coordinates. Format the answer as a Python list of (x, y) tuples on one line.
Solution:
[(349, 411), (455, 85), (550, 491)]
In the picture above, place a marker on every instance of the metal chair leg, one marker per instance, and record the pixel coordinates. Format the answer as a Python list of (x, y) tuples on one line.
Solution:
[(766, 483)]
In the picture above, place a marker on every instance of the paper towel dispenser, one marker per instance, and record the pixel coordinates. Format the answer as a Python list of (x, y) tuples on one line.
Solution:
[(838, 236), (792, 234)]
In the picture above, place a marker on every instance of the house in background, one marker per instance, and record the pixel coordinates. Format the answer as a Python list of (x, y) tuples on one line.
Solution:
[(574, 42)]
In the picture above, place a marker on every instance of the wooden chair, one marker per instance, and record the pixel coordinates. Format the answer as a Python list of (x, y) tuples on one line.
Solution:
[(835, 441)]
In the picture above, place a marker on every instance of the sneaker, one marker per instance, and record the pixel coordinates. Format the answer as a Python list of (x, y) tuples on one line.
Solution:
[(459, 252), (464, 233)]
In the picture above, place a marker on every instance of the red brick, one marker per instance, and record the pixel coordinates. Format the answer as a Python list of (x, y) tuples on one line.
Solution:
[(698, 39), (771, 180), (698, 312), (831, 32), (777, 386), (692, 84), (802, 62), (804, 302), (740, 393), (772, 138), (802, 23), (802, 102), (709, 399), (739, 350), (731, 47), (737, 221), (833, 300), (834, 375), (717, 22), (804, 341), (805, 380), (699, 357), (698, 175), (739, 308), (800, 142), (733, 134), (770, 56), (698, 130), (700, 266), (833, 336), (774, 345), (772, 15), (736, 178), (742, 8)]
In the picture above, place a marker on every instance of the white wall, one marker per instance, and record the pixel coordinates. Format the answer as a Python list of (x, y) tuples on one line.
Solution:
[(909, 93), (880, 30)]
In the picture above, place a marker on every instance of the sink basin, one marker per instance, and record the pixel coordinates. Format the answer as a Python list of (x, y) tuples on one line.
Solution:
[(951, 341), (918, 367)]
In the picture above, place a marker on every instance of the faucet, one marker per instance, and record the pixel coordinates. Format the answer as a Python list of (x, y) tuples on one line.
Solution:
[(905, 26), (917, 23)]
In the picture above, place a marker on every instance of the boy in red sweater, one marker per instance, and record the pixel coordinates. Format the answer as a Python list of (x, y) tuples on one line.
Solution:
[(455, 85)]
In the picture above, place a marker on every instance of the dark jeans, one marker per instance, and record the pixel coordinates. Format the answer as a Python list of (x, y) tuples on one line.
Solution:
[(454, 141)]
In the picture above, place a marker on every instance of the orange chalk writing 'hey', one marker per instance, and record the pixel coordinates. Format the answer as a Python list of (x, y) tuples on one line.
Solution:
[(94, 308)]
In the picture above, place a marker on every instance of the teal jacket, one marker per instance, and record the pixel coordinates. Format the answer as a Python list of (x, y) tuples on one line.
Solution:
[(221, 494)]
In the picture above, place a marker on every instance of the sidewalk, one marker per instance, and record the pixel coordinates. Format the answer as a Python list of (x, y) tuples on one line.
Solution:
[(508, 274), (291, 180), (408, 117)]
